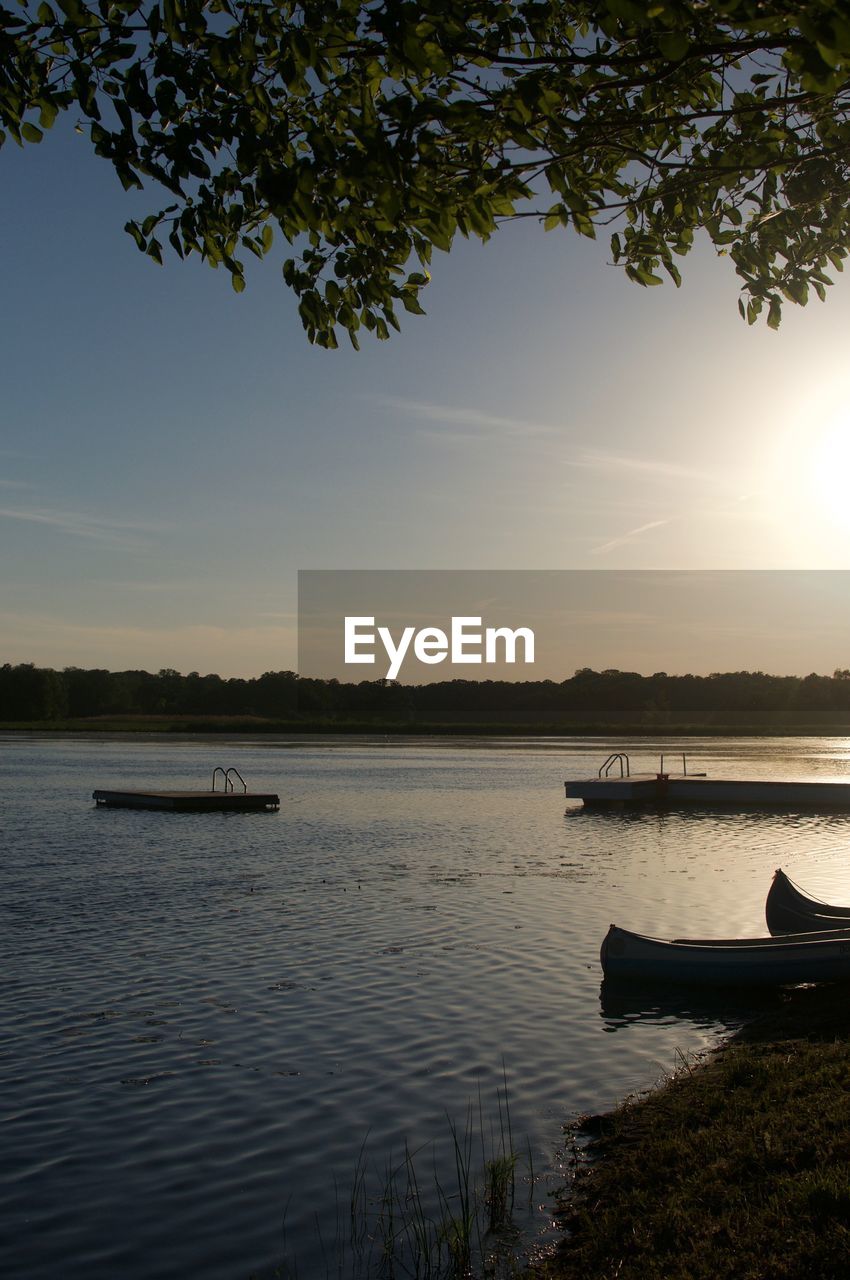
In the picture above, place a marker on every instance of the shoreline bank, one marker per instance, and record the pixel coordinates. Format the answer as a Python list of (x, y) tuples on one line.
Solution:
[(425, 729), (738, 1166)]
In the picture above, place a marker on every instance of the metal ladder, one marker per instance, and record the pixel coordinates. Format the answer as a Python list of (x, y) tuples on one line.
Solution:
[(228, 780), (616, 757)]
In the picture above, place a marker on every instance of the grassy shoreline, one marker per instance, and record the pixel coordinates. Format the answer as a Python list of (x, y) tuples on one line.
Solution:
[(737, 1167), (258, 725)]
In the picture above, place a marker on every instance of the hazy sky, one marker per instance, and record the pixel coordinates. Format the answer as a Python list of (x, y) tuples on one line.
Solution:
[(173, 453)]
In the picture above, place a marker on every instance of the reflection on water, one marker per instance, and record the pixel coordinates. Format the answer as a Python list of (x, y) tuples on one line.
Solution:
[(207, 1014), (624, 1004)]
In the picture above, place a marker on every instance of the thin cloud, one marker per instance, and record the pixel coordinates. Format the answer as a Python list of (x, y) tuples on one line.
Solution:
[(628, 537), (475, 420), (124, 584), (592, 460), (79, 524)]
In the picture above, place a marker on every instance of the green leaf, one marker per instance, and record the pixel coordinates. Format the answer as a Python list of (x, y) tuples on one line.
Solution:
[(674, 273), (797, 291), (135, 231), (76, 13), (674, 45), (627, 10), (129, 180), (48, 113), (31, 132), (642, 275), (172, 12), (584, 225)]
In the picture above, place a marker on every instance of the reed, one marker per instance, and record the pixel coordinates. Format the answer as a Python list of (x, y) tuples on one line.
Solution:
[(427, 1219), (499, 1190), (500, 1169)]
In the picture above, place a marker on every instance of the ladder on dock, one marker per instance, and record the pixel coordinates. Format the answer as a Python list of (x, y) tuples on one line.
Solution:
[(227, 779)]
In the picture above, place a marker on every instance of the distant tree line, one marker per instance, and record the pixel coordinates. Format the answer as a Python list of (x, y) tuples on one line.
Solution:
[(587, 699)]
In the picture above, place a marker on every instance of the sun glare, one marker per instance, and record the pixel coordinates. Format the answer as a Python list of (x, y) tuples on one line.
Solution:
[(827, 473), (807, 483)]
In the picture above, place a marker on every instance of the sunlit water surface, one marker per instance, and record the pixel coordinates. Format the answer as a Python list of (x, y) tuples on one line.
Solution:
[(206, 1017)]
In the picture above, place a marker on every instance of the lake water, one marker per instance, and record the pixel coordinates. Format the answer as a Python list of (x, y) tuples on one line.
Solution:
[(213, 1022)]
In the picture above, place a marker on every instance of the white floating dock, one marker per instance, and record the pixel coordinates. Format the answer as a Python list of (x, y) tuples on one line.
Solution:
[(226, 800), (186, 801), (663, 788), (711, 792)]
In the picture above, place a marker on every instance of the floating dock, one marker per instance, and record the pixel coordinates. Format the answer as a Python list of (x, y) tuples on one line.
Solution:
[(186, 801), (669, 789), (226, 800)]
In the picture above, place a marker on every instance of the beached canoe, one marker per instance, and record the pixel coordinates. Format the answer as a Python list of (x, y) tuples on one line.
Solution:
[(789, 910), (801, 957)]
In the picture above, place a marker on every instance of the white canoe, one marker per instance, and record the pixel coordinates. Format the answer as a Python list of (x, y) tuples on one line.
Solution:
[(800, 957), (789, 910)]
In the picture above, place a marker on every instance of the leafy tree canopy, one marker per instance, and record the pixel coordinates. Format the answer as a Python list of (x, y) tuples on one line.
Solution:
[(368, 134)]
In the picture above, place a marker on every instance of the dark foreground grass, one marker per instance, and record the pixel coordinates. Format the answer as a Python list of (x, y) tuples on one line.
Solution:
[(736, 1167)]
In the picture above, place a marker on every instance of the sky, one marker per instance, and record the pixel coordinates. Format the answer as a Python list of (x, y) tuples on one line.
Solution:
[(172, 453)]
